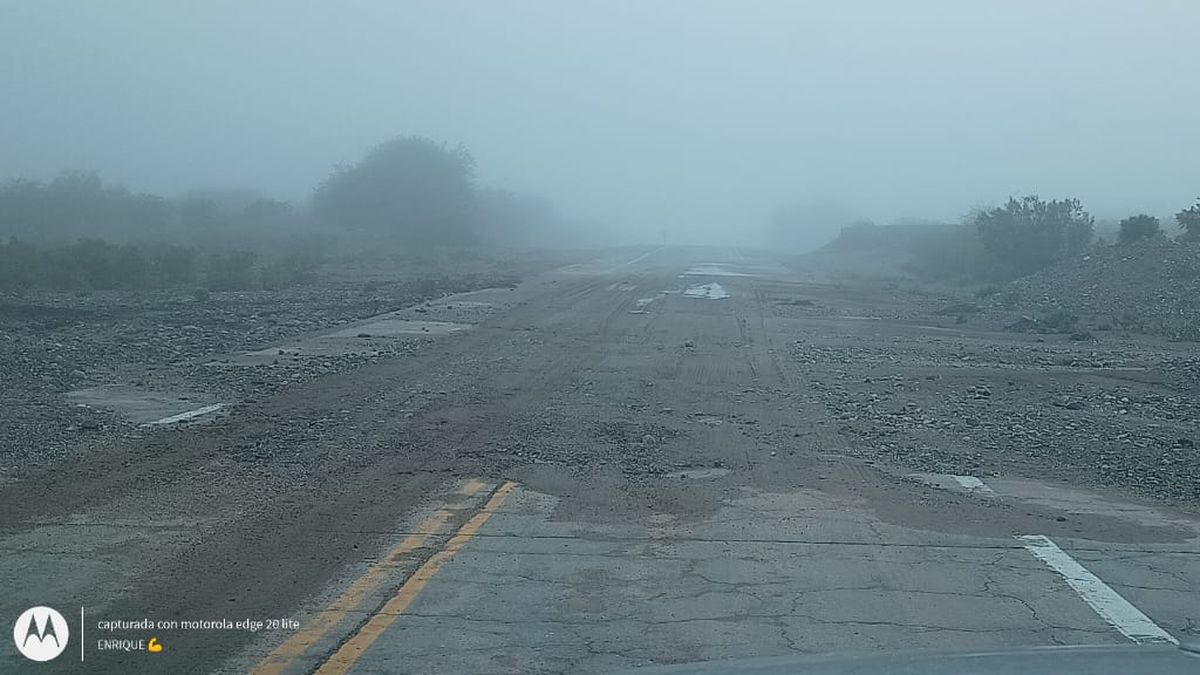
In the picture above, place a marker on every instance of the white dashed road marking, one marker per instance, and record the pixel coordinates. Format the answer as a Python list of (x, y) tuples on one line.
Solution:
[(1109, 604), (186, 415)]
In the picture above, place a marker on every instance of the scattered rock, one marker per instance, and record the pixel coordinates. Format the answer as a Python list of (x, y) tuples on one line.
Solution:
[(979, 391), (1151, 286)]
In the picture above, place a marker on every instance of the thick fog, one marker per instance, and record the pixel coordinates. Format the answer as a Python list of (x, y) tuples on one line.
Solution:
[(680, 120)]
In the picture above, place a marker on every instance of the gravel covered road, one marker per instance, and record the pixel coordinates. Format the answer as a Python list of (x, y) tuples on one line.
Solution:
[(649, 458)]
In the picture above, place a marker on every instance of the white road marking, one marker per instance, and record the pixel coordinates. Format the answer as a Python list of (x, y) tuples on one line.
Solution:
[(713, 291), (974, 484), (186, 415), (1106, 602)]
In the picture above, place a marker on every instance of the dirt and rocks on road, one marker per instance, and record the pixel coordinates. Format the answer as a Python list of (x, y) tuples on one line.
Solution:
[(905, 381), (172, 341)]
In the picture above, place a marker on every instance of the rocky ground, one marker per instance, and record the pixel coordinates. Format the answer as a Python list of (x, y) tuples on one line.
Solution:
[(1149, 287), (767, 427), (971, 400), (1088, 367), (52, 343), (979, 397)]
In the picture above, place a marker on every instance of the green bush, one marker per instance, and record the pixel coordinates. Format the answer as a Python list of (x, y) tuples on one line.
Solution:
[(1189, 220), (1137, 227), (94, 265), (1029, 234)]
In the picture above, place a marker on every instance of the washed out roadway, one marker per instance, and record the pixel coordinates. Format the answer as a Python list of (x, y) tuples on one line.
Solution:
[(605, 472)]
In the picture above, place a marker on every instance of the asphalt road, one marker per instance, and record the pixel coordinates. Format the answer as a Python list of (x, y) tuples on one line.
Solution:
[(619, 464)]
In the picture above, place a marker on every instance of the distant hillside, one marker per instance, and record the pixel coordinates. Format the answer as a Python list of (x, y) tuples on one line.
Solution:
[(866, 250)]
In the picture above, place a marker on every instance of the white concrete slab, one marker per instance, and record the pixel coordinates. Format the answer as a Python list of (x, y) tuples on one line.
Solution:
[(145, 407), (713, 291)]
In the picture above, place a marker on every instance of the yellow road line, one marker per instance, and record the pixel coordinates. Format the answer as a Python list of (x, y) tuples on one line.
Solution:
[(284, 654), (350, 651)]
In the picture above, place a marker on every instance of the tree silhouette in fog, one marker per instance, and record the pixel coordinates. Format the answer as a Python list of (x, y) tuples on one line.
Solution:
[(1137, 227), (1189, 220), (77, 204), (1028, 234), (412, 187)]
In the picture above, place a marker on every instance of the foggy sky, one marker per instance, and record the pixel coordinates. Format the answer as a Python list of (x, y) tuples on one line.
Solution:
[(682, 116)]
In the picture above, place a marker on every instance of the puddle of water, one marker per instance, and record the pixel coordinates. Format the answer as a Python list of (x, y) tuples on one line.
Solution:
[(713, 291)]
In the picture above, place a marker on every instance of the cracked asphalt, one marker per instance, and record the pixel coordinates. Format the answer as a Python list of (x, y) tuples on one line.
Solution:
[(767, 574), (605, 472)]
